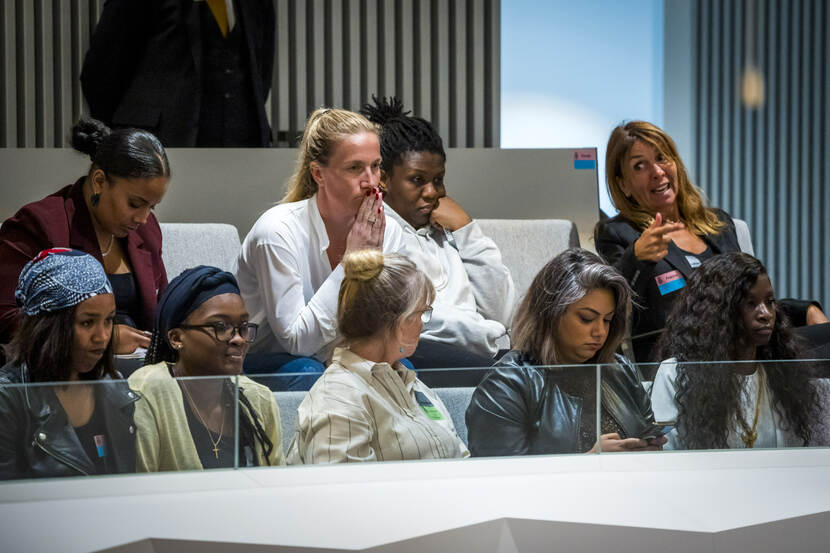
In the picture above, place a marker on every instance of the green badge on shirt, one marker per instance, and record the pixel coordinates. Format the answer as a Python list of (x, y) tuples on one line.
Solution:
[(429, 409)]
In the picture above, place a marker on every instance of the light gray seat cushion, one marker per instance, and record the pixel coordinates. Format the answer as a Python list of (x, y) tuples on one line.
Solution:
[(186, 245), (527, 244), (455, 399), (288, 402), (744, 237)]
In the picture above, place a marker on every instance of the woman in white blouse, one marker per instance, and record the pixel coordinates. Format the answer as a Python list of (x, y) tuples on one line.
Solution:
[(727, 312), (290, 266), (368, 406)]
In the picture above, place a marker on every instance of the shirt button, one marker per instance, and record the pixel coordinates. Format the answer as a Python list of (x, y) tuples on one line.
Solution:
[(41, 436), (228, 71), (227, 95), (130, 395), (132, 429)]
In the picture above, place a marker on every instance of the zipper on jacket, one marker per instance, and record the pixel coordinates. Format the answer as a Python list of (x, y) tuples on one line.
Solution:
[(60, 458)]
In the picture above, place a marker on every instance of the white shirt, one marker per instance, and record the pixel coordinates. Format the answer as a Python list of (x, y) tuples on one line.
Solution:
[(359, 410), (475, 295), (769, 428), (287, 282)]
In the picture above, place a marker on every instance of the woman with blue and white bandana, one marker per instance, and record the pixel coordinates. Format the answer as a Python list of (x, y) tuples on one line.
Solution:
[(64, 411)]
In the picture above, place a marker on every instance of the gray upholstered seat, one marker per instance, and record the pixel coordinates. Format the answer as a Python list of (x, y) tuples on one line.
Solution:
[(186, 245), (527, 244)]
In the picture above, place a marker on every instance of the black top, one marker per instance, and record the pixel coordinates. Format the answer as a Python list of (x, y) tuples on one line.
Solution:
[(204, 440), (127, 302), (94, 439)]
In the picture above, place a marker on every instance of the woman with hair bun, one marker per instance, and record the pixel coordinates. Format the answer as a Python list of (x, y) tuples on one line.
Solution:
[(107, 214), (367, 406)]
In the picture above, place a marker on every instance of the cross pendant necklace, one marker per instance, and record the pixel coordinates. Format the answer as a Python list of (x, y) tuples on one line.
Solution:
[(202, 420)]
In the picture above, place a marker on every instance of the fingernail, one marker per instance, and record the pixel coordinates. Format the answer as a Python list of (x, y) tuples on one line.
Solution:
[(368, 193), (378, 210)]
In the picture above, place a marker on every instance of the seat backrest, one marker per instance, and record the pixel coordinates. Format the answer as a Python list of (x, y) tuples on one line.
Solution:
[(744, 237), (186, 245), (456, 400), (527, 244), (288, 403)]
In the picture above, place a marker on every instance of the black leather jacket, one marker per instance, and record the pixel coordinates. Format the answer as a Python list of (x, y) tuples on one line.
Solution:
[(518, 409), (36, 439)]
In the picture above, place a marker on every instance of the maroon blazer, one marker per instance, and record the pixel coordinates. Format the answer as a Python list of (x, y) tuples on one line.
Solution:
[(63, 220)]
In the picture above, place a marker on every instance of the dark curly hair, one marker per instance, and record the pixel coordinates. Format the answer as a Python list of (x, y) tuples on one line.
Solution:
[(401, 133), (705, 324)]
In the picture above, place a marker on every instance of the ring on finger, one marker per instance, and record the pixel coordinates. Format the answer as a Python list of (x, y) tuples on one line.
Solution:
[(371, 221)]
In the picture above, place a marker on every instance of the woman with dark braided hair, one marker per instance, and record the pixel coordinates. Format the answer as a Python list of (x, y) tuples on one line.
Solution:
[(728, 312), (475, 293), (202, 329)]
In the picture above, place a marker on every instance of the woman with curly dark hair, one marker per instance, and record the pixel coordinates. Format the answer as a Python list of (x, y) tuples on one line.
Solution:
[(728, 312)]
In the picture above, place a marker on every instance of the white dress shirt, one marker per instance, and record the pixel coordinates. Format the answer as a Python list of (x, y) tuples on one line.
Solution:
[(287, 281), (359, 410), (474, 290), (770, 426)]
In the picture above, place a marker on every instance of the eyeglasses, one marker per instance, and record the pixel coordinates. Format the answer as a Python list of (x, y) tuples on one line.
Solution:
[(426, 315), (224, 332)]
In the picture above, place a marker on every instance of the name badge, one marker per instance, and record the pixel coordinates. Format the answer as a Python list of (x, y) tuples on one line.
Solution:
[(670, 282), (100, 445), (427, 407)]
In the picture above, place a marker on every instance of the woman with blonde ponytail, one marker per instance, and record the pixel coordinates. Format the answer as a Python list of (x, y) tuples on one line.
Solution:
[(290, 267), (368, 406)]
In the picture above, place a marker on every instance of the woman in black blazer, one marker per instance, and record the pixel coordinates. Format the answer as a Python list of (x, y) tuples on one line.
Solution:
[(664, 230)]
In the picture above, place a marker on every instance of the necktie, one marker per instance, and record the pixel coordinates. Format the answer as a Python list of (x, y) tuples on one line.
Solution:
[(220, 12)]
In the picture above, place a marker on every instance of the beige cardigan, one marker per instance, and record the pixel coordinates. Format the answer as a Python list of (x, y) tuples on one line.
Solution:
[(163, 441)]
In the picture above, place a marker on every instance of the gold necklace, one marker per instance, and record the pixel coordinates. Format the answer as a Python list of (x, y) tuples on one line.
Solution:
[(198, 414), (751, 434)]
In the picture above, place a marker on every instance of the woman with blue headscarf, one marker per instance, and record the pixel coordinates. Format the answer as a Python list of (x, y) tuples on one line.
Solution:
[(202, 330), (64, 336)]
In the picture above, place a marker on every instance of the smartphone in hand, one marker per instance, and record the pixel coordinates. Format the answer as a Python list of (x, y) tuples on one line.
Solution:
[(656, 430)]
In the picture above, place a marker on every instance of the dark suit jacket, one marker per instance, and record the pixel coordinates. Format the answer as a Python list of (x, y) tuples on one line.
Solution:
[(144, 65), (615, 239), (63, 220)]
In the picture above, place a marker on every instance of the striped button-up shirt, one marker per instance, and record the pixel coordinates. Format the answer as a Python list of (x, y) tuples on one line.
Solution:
[(359, 410)]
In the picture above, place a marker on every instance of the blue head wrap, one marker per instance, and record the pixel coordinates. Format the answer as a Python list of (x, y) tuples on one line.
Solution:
[(59, 278), (183, 296)]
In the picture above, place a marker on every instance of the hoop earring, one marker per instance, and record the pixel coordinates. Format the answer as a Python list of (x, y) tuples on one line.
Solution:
[(94, 199)]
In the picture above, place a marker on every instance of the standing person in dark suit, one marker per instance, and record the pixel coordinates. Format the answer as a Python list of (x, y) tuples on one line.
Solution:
[(664, 230), (195, 73)]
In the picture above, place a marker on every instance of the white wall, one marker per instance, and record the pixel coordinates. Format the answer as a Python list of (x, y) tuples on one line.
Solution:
[(571, 71)]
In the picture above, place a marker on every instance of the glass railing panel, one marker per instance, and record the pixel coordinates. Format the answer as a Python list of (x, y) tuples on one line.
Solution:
[(723, 405), (149, 423)]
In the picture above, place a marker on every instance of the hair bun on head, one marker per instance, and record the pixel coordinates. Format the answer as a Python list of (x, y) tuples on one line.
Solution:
[(88, 134), (363, 265)]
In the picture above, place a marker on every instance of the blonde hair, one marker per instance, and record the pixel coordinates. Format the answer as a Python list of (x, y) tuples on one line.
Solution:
[(700, 219), (378, 291), (325, 128)]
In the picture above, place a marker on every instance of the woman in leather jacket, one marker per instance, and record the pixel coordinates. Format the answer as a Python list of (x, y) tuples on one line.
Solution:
[(574, 313), (84, 427)]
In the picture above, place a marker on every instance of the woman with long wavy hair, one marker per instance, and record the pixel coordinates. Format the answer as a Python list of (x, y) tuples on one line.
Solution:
[(728, 312)]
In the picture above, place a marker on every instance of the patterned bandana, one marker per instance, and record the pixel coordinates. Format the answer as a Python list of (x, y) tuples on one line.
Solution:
[(59, 278)]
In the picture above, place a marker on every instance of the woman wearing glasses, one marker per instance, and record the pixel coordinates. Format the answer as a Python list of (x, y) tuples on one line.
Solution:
[(202, 330), (367, 406)]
